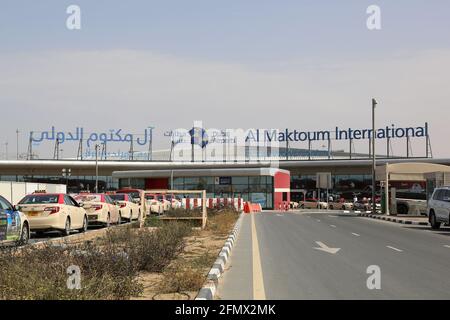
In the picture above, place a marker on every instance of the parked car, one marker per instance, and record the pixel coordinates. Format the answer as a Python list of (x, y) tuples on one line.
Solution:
[(175, 202), (14, 225), (162, 198), (293, 205), (365, 205), (342, 204), (153, 205), (411, 203), (136, 195), (312, 203), (100, 208), (56, 211), (129, 209), (438, 209)]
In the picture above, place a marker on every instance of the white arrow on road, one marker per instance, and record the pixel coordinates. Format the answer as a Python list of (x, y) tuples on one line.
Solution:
[(324, 247)]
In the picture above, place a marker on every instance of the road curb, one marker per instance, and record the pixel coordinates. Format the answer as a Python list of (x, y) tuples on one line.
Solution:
[(396, 220), (208, 291)]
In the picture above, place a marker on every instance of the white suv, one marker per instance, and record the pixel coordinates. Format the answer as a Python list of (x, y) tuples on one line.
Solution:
[(439, 207)]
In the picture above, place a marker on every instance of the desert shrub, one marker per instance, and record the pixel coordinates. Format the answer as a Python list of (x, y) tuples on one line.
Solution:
[(153, 222), (205, 260), (180, 212), (151, 250), (41, 273), (181, 278), (222, 222)]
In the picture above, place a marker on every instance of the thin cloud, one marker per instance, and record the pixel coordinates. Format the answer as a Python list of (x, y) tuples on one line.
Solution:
[(133, 89)]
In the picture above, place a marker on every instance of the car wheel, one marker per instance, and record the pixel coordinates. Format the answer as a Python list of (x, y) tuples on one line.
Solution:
[(85, 225), (66, 230), (435, 225), (331, 207), (25, 234), (402, 209)]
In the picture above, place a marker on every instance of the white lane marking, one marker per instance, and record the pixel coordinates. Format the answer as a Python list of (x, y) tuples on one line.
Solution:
[(447, 246), (355, 234), (318, 220), (393, 248), (279, 215), (333, 216), (332, 225), (324, 247)]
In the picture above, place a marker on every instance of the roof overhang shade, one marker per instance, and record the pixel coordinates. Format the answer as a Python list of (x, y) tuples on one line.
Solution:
[(408, 171)]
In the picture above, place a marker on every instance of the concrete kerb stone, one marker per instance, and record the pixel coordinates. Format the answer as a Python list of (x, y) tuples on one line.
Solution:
[(395, 220), (208, 291)]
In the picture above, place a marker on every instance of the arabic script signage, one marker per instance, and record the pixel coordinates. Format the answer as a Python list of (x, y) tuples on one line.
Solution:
[(112, 136)]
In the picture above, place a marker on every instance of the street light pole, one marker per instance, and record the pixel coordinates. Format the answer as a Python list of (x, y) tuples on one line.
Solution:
[(374, 207), (96, 167), (17, 143)]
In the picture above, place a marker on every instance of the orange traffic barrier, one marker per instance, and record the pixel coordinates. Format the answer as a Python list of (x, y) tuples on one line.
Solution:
[(252, 207)]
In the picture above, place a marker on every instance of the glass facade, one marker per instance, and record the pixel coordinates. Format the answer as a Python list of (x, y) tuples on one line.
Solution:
[(254, 189), (343, 184)]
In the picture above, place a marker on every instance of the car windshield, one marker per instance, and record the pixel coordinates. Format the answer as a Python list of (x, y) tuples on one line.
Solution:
[(39, 199), (88, 198), (117, 197), (132, 194)]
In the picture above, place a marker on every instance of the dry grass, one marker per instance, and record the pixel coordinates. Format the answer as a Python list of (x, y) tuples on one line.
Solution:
[(222, 222), (109, 266), (41, 274), (168, 262)]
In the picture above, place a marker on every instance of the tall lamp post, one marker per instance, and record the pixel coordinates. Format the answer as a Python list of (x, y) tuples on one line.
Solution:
[(17, 143), (374, 184)]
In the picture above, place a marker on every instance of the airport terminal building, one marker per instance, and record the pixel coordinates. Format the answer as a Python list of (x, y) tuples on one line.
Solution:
[(253, 181), (268, 175)]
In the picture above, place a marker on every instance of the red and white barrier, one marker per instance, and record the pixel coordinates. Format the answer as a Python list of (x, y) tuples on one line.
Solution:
[(211, 203)]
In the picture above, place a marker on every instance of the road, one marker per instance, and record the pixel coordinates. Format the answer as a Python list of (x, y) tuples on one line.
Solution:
[(317, 255)]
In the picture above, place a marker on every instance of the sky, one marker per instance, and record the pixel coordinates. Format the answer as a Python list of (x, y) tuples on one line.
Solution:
[(306, 65)]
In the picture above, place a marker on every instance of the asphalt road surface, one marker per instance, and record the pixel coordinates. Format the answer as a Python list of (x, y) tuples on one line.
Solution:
[(316, 255)]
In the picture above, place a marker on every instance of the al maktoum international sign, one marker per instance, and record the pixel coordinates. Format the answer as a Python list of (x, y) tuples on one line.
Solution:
[(388, 132)]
